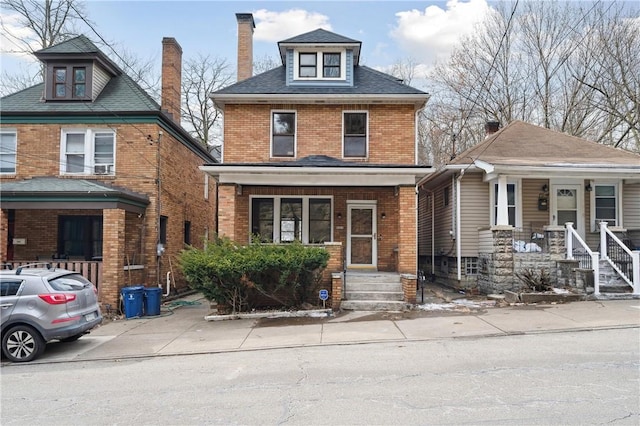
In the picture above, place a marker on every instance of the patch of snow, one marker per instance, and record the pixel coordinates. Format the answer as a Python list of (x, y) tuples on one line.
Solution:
[(456, 305)]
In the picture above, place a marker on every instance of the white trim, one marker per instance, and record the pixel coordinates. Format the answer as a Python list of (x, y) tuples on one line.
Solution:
[(366, 112), (319, 63), (363, 204), (206, 186), (89, 150), (593, 223), (518, 194), (295, 132), (554, 185), (11, 131)]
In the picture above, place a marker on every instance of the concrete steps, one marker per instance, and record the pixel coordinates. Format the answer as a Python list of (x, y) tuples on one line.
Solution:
[(373, 291), (611, 282)]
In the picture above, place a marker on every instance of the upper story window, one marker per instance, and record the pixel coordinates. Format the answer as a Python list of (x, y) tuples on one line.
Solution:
[(320, 65), (308, 65), (355, 134), (283, 134), (68, 82), (8, 146), (331, 65), (88, 152)]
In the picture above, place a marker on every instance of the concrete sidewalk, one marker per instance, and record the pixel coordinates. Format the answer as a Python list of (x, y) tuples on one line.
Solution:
[(183, 329)]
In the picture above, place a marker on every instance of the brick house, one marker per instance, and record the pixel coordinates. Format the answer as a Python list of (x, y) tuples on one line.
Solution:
[(502, 206), (321, 150), (97, 176)]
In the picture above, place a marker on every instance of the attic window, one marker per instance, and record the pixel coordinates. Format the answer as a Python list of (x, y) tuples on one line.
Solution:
[(320, 65), (68, 82)]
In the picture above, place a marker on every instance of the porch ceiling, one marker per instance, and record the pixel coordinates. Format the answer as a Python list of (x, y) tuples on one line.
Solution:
[(317, 176), (57, 193)]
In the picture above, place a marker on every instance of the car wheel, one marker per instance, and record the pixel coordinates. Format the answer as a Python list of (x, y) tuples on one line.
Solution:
[(22, 344), (72, 338)]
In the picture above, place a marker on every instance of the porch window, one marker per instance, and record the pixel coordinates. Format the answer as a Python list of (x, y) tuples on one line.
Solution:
[(355, 134), (283, 134), (286, 219), (80, 236), (605, 204), (88, 151), (8, 146), (511, 203)]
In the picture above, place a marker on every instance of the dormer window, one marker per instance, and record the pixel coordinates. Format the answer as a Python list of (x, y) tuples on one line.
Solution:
[(68, 82), (320, 65)]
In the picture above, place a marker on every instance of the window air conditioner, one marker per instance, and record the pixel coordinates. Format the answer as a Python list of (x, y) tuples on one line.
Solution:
[(103, 169)]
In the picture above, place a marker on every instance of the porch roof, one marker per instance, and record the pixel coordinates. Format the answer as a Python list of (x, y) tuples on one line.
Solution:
[(63, 193), (317, 170)]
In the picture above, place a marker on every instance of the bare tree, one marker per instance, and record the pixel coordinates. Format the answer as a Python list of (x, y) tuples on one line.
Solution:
[(200, 77), (265, 63), (571, 67)]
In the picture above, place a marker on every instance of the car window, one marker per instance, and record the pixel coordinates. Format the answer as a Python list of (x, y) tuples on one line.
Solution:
[(9, 287), (72, 282)]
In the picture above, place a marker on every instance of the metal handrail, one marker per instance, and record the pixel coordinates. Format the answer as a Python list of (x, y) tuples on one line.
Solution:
[(620, 257), (592, 255)]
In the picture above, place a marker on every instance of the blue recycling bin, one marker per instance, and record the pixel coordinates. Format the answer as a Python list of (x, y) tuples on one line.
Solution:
[(152, 298), (132, 300)]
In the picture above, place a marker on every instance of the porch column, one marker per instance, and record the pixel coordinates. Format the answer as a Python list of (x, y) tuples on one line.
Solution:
[(227, 210), (113, 254), (503, 202), (4, 235), (407, 238)]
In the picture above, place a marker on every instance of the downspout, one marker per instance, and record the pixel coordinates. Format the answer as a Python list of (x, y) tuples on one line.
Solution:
[(458, 210), (159, 211), (433, 235)]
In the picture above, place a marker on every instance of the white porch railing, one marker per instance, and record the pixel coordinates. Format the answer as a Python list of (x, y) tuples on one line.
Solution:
[(578, 249), (624, 261)]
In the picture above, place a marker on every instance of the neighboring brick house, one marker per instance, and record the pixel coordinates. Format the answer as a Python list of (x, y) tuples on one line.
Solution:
[(321, 150), (501, 207), (98, 175)]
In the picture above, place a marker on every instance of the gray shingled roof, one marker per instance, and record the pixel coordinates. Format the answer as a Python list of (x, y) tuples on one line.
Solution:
[(319, 36), (367, 81), (320, 161), (68, 187), (525, 144), (79, 44), (121, 94)]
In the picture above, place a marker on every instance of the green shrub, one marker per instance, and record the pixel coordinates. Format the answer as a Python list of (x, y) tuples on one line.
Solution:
[(238, 276)]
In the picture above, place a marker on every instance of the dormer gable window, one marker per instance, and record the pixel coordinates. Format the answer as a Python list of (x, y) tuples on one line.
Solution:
[(68, 82), (319, 65)]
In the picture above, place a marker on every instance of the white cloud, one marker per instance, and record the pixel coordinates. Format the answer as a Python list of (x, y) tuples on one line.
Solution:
[(8, 46), (431, 34), (278, 26)]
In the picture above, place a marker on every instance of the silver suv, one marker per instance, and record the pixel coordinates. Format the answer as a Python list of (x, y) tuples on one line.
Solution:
[(38, 305)]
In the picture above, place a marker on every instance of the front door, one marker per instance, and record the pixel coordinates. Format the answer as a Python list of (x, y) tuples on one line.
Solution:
[(361, 236), (567, 200)]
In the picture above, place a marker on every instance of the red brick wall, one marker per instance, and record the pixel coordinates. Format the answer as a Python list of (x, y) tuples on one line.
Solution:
[(247, 132), (38, 154)]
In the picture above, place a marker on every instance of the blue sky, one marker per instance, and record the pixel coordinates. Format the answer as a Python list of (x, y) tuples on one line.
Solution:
[(389, 30)]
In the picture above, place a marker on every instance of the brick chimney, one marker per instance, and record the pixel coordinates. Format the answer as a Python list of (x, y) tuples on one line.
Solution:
[(171, 77), (245, 45), (491, 127)]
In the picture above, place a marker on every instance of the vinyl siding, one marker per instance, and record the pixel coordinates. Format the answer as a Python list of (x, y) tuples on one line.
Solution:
[(532, 218), (474, 212), (631, 206), (100, 79)]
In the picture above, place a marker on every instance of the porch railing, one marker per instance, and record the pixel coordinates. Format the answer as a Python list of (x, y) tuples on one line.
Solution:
[(91, 270), (579, 250), (622, 259)]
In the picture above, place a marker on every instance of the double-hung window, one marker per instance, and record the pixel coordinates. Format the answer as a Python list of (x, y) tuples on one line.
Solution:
[(605, 204), (331, 65), (284, 219), (512, 207), (308, 65), (320, 65), (355, 134), (87, 151), (8, 146), (68, 82), (283, 134)]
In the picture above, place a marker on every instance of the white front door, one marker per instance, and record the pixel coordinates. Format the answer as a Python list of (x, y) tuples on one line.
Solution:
[(361, 235), (568, 206)]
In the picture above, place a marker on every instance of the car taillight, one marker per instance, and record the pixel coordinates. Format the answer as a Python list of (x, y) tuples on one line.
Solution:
[(57, 298)]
